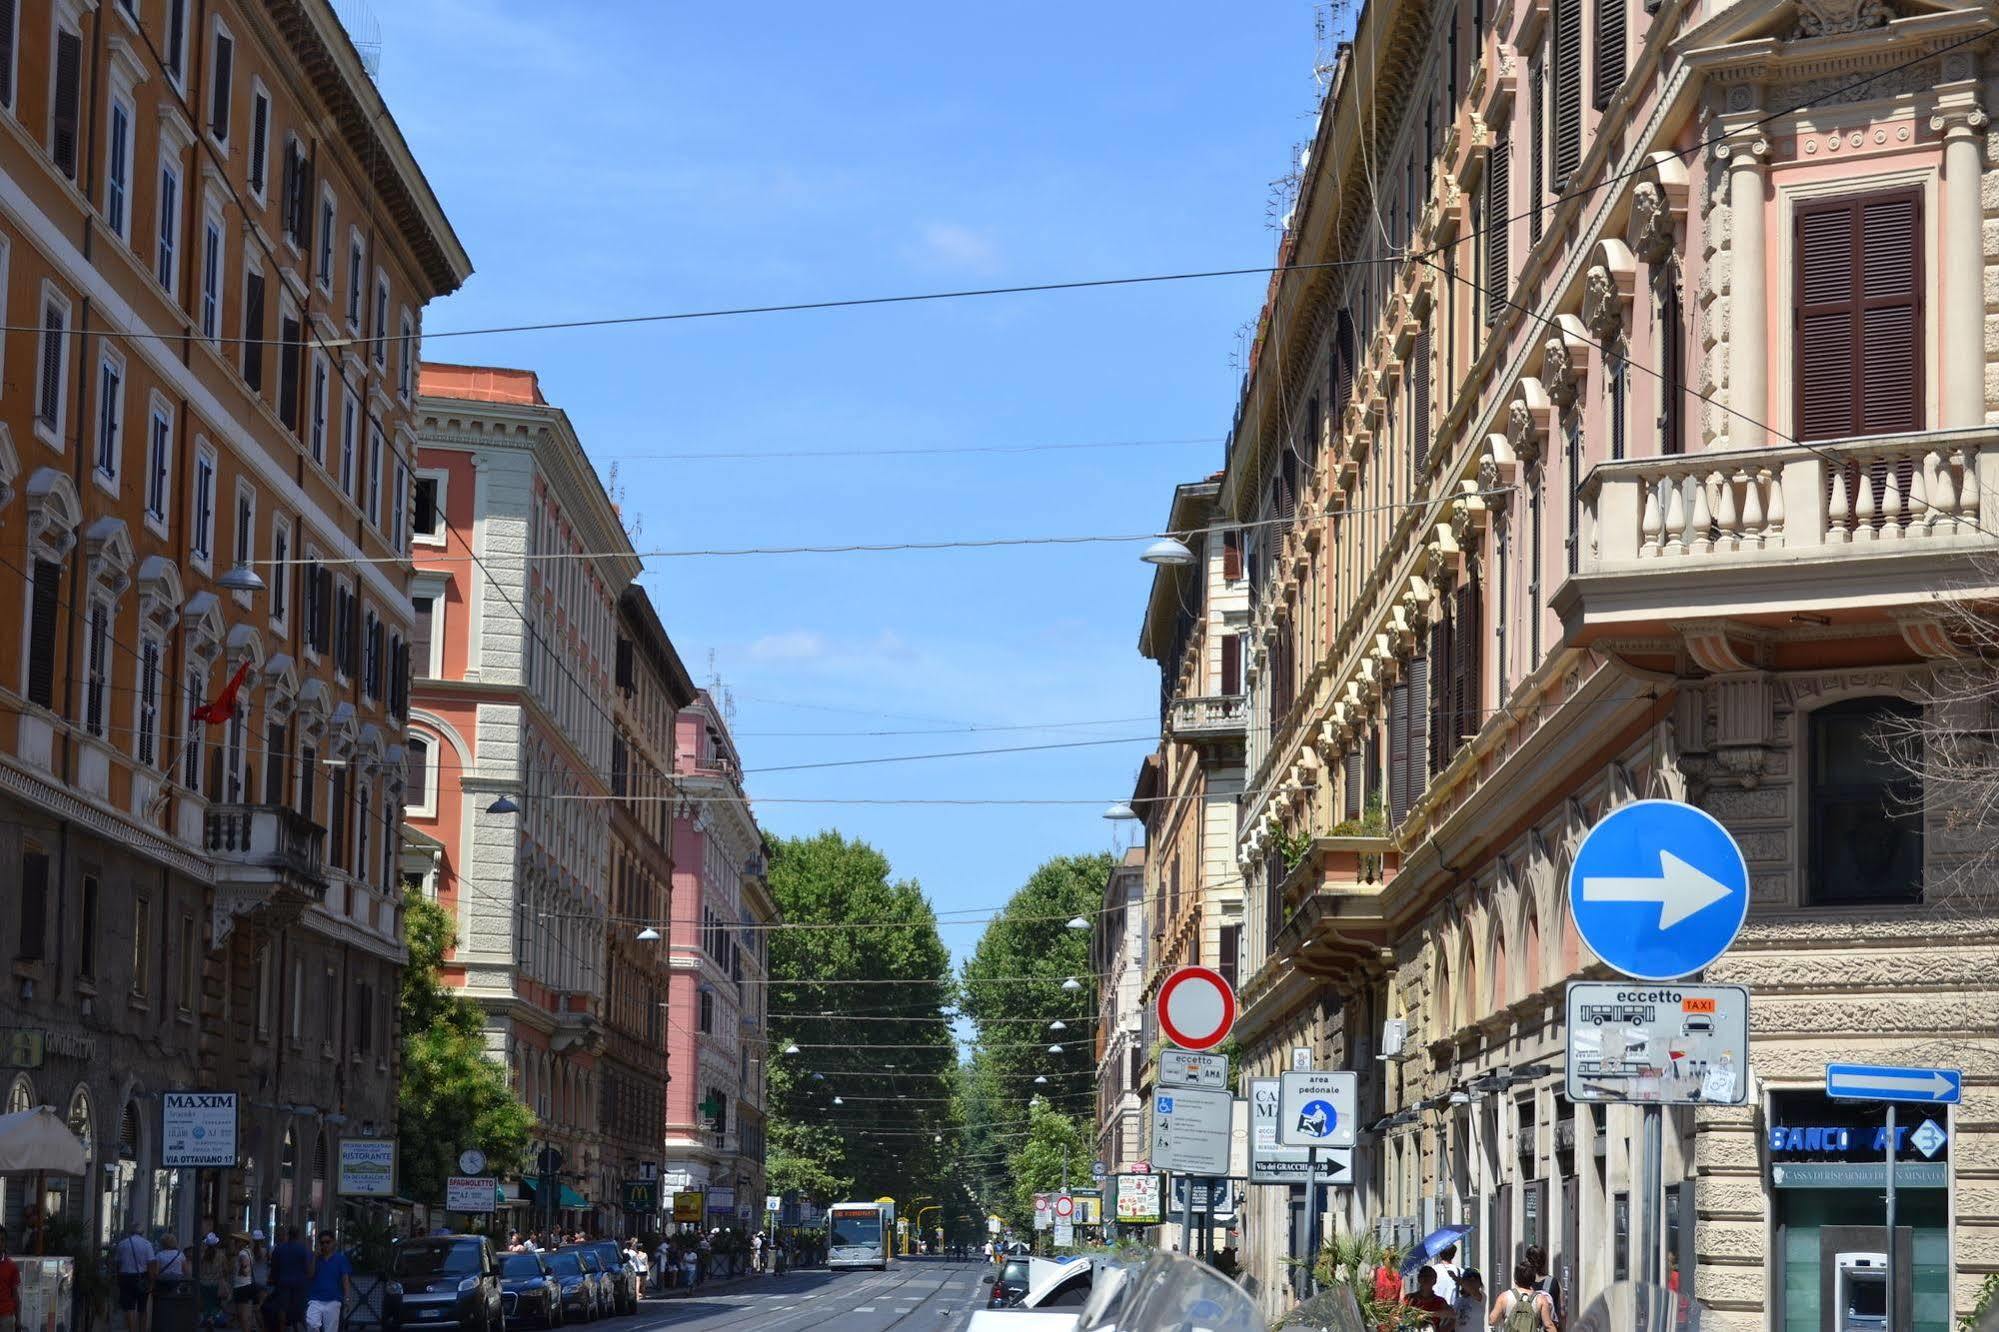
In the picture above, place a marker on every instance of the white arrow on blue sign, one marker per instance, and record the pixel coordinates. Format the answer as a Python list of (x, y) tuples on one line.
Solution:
[(1881, 1082), (1659, 889)]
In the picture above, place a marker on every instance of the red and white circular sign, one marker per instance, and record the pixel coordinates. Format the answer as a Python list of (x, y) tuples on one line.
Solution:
[(1196, 1008), (1040, 1202), (1065, 1206)]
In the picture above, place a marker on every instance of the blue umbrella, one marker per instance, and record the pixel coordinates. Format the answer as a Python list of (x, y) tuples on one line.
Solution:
[(1431, 1245)]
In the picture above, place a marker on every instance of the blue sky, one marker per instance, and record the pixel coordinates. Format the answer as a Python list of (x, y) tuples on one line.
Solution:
[(620, 158)]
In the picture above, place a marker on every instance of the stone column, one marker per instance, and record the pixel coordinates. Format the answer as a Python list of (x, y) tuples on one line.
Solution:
[(1960, 272), (1745, 156)]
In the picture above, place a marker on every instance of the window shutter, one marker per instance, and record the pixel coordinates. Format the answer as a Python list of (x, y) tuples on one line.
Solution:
[(426, 616), (218, 107), (1890, 308), (627, 676), (48, 405), (1537, 133), (1468, 649), (336, 814), (1498, 265), (1419, 731), (1568, 91), (1441, 720), (274, 764), (1398, 751), (68, 92), (1858, 317), (253, 330), (260, 133), (42, 640), (1232, 554), (1231, 663), (1419, 397), (1354, 783), (1671, 377), (6, 52), (289, 358), (1609, 50)]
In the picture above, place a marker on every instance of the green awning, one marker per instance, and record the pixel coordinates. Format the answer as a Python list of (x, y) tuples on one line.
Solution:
[(570, 1197)]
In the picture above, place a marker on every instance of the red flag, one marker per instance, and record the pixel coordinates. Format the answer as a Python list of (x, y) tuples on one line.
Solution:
[(224, 706)]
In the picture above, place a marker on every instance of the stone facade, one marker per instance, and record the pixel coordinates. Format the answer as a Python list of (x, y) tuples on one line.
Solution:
[(1118, 954)]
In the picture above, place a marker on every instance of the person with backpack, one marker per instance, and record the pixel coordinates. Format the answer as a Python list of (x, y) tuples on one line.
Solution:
[(1523, 1308)]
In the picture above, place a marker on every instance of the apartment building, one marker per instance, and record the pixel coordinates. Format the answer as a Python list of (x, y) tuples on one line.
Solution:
[(1619, 421), (720, 959), (521, 564), (1117, 955), (217, 248), (651, 687)]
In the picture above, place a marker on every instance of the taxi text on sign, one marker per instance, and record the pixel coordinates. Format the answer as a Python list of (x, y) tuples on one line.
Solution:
[(1659, 889)]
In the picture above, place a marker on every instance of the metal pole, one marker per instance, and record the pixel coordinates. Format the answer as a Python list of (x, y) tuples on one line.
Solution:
[(1654, 1170), (1892, 1265), (1311, 1221), (1187, 1216)]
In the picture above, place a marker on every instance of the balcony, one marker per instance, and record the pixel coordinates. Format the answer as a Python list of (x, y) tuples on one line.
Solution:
[(270, 865), (1334, 916), (1211, 720), (1841, 533)]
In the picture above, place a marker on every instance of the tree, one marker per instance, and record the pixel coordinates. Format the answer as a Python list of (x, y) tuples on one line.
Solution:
[(451, 1096), (1054, 1139), (1013, 991), (860, 980)]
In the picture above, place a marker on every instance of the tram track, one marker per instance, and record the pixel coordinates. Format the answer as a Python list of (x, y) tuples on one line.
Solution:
[(773, 1309)]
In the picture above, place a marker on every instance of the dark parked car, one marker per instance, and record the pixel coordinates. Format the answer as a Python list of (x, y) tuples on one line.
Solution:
[(1009, 1284), (612, 1256), (528, 1292), (447, 1281), (582, 1292)]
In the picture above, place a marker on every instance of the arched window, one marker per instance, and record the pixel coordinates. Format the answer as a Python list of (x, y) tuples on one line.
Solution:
[(416, 773), (1866, 801)]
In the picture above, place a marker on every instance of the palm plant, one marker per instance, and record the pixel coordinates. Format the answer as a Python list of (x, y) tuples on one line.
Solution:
[(1351, 1260)]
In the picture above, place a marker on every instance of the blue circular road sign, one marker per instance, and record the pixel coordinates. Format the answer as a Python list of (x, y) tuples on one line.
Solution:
[(1659, 889), (1317, 1118)]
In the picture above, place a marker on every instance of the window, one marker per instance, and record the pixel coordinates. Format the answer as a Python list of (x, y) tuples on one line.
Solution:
[(43, 608), (1498, 266), (220, 69), (53, 380), (428, 516), (118, 168), (296, 205), (184, 998), (65, 102), (253, 330), (173, 51), (202, 546), (97, 667), (373, 507), (1231, 664), (425, 608), (243, 549), (371, 672), (196, 688), (142, 947), (1537, 150), (381, 330), (1859, 316), (159, 465), (110, 413), (1609, 51), (211, 278), (327, 213), (336, 833), (86, 944), (1419, 396), (277, 757), (354, 267), (34, 905), (1572, 465), (9, 39), (1566, 93), (707, 1027), (260, 140), (350, 435), (281, 570), (1671, 387), (399, 511), (316, 423), (406, 370), (1534, 570), (1616, 386), (167, 249), (1866, 800), (146, 744)]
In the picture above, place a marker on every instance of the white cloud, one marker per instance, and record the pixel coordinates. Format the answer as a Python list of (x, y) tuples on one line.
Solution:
[(951, 245), (791, 645)]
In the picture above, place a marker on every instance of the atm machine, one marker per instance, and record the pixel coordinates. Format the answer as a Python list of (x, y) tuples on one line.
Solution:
[(1860, 1292)]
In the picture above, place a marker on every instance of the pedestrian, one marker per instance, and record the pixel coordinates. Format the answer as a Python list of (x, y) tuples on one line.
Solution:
[(1523, 1308), (757, 1251), (1436, 1310), (1446, 1264), (1469, 1306), (10, 1288), (635, 1254), (703, 1265), (1388, 1277), (332, 1285), (170, 1269), (137, 1265), (1545, 1282), (243, 1283), (291, 1274), (690, 1266)]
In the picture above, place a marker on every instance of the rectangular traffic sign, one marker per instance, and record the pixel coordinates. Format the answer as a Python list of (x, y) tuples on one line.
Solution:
[(1184, 1068), (1316, 1109), (1190, 1130), (1885, 1082), (1270, 1162), (1647, 1043)]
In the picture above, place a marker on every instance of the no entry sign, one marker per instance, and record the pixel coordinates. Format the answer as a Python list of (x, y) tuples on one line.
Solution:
[(1196, 1008)]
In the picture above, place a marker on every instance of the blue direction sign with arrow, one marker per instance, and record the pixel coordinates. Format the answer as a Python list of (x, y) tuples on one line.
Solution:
[(1659, 889), (1880, 1082)]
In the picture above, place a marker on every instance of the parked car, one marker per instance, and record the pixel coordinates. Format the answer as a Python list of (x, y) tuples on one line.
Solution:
[(446, 1281), (1009, 1280), (612, 1256), (607, 1282), (1052, 1301), (581, 1291), (528, 1291)]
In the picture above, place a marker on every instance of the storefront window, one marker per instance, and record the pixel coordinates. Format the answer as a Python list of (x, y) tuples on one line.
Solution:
[(1866, 804)]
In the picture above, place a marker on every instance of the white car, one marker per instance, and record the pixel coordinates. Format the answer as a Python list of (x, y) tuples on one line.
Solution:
[(1057, 1289)]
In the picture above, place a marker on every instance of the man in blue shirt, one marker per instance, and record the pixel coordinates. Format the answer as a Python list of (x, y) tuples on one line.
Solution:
[(332, 1284), (291, 1273)]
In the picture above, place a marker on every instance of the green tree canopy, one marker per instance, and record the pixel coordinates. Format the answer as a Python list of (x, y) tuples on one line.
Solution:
[(1053, 1140), (860, 983), (451, 1096)]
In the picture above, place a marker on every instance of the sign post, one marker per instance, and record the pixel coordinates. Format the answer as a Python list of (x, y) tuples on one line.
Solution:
[(1893, 1085), (1658, 890)]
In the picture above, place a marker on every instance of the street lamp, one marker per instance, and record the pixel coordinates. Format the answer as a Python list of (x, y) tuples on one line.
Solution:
[(1168, 552), (1072, 984), (1078, 923), (241, 578), (648, 935), (503, 806), (791, 1048), (1058, 1025), (1120, 812), (1054, 1049)]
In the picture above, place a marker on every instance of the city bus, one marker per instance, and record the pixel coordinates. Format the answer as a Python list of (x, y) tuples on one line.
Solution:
[(859, 1234)]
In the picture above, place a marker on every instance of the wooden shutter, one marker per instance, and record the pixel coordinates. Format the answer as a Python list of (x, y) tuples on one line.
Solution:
[(1498, 265), (1232, 554), (1858, 343), (627, 671), (48, 404), (1671, 377), (6, 53), (336, 816), (1610, 25), (218, 106), (1468, 651), (42, 633), (1398, 751), (1442, 721), (1231, 663), (276, 754), (289, 359), (324, 610), (1419, 731), (1355, 781), (253, 330), (1567, 104), (1537, 134), (1419, 397), (68, 94), (260, 136), (426, 617)]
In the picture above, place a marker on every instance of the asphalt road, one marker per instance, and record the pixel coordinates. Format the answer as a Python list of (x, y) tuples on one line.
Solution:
[(913, 1295)]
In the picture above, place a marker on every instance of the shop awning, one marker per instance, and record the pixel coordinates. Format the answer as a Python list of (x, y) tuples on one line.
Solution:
[(570, 1198)]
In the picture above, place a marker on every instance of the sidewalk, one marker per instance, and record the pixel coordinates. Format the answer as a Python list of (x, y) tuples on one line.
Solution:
[(713, 1286)]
